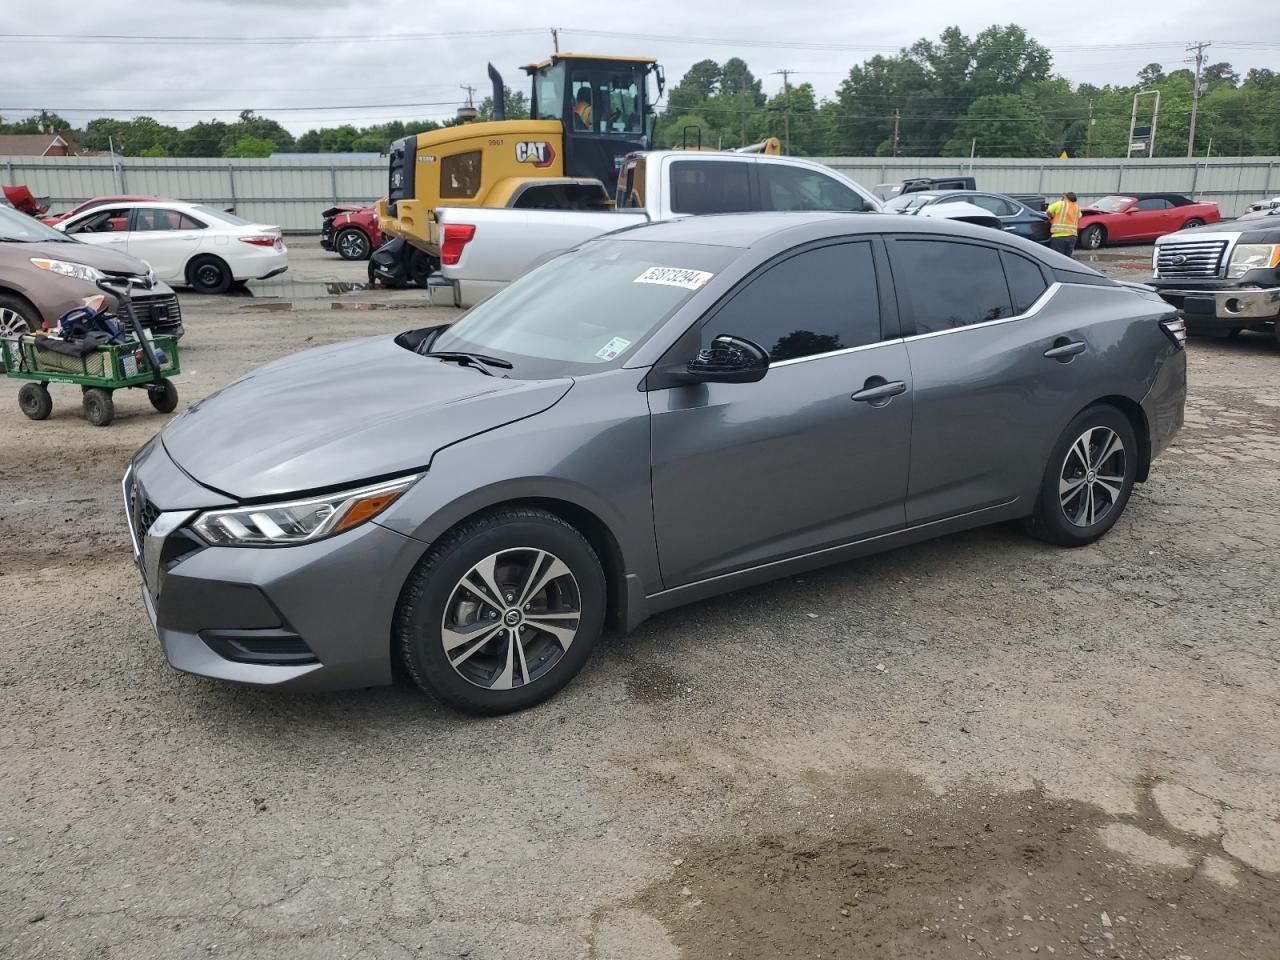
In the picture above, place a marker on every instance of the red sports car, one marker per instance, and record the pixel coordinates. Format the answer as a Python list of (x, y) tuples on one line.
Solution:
[(351, 231), (1125, 218)]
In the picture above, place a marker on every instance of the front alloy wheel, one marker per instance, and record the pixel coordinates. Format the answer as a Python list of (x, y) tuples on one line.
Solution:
[(1092, 477)]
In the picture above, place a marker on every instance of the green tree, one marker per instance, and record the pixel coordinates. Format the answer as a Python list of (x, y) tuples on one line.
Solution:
[(251, 147), (514, 101)]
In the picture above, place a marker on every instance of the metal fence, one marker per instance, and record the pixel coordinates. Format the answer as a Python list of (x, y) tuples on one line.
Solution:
[(292, 193)]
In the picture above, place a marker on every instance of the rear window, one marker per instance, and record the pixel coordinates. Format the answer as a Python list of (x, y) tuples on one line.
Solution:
[(710, 186), (1026, 282)]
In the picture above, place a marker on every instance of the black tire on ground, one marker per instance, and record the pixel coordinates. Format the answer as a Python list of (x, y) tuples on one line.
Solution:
[(165, 400), (425, 601), (1193, 222), (1073, 489), (421, 266), (1092, 237), (209, 274), (17, 316), (99, 408), (352, 244), (34, 400)]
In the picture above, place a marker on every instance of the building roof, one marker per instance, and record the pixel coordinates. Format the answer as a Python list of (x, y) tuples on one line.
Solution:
[(31, 144)]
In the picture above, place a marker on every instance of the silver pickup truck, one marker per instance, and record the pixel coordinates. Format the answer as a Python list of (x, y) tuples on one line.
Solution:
[(485, 249)]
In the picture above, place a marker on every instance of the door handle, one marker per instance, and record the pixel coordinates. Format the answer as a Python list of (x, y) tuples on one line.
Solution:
[(1064, 349), (878, 391)]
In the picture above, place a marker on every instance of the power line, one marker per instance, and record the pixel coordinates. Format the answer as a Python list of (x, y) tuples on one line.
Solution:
[(151, 39), (237, 110)]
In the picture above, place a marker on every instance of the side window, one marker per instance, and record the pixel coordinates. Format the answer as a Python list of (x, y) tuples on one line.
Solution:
[(1000, 206), (814, 302), (146, 219), (947, 284), (460, 175), (795, 188), (103, 221), (1026, 282), (186, 222), (710, 186), (1153, 203)]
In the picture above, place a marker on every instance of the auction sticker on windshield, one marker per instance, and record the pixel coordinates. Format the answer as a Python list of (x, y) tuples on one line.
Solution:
[(675, 277), (612, 348)]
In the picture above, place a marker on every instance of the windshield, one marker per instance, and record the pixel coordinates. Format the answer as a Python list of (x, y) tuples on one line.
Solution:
[(587, 310), (223, 216), (607, 98), (18, 227), (1111, 204), (909, 201)]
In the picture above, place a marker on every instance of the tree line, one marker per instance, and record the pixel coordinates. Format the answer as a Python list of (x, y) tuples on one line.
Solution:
[(993, 95)]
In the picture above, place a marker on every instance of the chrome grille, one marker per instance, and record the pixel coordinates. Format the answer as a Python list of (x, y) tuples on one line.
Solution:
[(1190, 258)]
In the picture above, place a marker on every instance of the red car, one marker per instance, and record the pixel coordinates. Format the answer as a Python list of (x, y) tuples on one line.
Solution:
[(1124, 218), (86, 204), (351, 231)]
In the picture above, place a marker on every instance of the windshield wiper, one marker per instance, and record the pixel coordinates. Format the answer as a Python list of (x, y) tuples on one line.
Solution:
[(470, 359)]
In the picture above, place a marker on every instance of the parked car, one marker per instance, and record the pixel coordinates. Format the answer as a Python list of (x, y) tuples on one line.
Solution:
[(185, 243), (21, 199), (666, 413), (484, 249), (1014, 217), (54, 219), (890, 191), (1264, 206), (1140, 216), (1225, 278), (351, 231), (44, 274)]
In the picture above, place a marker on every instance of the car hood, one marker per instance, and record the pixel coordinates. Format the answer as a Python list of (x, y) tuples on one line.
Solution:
[(108, 261), (1240, 225), (342, 414)]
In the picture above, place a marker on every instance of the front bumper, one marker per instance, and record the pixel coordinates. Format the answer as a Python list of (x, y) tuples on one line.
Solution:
[(1229, 307), (316, 616)]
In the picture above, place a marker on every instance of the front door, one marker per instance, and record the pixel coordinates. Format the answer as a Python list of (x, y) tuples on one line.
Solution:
[(748, 473)]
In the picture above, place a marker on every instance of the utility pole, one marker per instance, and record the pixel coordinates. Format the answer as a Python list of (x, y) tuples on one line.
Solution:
[(1088, 141), (786, 86), (471, 93), (897, 116), (1199, 47), (555, 39)]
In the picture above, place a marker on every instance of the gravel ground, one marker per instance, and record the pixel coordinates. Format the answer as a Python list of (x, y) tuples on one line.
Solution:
[(977, 747)]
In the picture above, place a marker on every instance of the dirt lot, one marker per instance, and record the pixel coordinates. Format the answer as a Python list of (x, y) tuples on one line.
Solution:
[(977, 747)]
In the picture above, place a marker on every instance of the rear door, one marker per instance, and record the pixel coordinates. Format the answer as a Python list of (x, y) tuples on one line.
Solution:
[(744, 474), (987, 400), (166, 239)]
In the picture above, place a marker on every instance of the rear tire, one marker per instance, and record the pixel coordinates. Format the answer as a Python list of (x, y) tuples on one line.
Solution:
[(1193, 222), (209, 274), (353, 244), (1088, 479), (1092, 237), (99, 408), (492, 656), (165, 400), (34, 401)]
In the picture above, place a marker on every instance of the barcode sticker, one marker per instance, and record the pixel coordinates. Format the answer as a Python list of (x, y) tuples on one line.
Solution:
[(675, 277)]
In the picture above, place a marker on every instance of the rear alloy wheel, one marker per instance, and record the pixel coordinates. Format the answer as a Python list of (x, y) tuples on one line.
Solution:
[(1092, 237), (503, 612), (209, 275), (353, 244), (1088, 480)]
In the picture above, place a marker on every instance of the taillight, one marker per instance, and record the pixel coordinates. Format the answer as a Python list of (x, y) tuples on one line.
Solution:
[(259, 241), (1176, 329), (456, 236)]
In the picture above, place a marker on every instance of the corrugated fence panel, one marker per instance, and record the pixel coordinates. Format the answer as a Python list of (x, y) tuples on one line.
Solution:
[(292, 193)]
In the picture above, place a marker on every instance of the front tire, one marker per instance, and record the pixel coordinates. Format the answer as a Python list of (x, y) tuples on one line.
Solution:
[(503, 611), (1092, 237), (17, 317), (352, 244), (34, 400), (1088, 479), (208, 274)]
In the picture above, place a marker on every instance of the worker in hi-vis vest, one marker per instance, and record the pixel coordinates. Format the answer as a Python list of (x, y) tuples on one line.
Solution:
[(1064, 216)]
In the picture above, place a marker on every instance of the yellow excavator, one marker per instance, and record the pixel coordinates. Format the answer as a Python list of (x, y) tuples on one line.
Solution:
[(587, 112)]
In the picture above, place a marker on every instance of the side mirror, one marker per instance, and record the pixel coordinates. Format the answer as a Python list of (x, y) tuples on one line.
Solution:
[(729, 360)]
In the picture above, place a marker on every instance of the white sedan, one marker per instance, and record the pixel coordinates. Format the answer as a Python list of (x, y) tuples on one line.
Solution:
[(185, 243)]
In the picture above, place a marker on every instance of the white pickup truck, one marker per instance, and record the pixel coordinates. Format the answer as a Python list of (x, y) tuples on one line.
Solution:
[(484, 249)]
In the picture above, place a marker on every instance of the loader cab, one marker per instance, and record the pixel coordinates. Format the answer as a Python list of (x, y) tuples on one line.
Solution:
[(604, 105)]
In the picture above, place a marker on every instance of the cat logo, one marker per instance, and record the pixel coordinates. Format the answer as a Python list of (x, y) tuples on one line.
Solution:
[(538, 152)]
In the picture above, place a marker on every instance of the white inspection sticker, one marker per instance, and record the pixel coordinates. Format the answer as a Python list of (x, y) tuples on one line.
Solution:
[(612, 348), (675, 277)]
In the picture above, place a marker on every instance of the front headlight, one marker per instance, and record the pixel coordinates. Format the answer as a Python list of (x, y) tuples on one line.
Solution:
[(1253, 256), (76, 271), (298, 521)]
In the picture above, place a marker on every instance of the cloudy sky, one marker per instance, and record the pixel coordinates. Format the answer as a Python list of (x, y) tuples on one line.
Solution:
[(414, 52)]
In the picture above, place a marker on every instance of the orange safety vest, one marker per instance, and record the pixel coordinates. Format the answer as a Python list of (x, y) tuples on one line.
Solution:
[(583, 110), (1066, 218)]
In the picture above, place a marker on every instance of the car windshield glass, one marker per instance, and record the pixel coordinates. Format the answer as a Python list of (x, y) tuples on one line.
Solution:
[(1112, 204), (909, 201), (586, 310), (224, 216), (18, 227)]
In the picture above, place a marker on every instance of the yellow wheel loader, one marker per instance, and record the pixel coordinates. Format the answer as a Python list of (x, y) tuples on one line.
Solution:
[(587, 113)]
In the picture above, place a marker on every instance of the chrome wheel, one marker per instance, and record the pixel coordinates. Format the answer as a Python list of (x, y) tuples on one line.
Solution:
[(1091, 481), (12, 324), (352, 245), (511, 618)]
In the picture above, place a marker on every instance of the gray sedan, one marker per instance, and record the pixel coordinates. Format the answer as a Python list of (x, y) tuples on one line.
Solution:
[(668, 412)]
